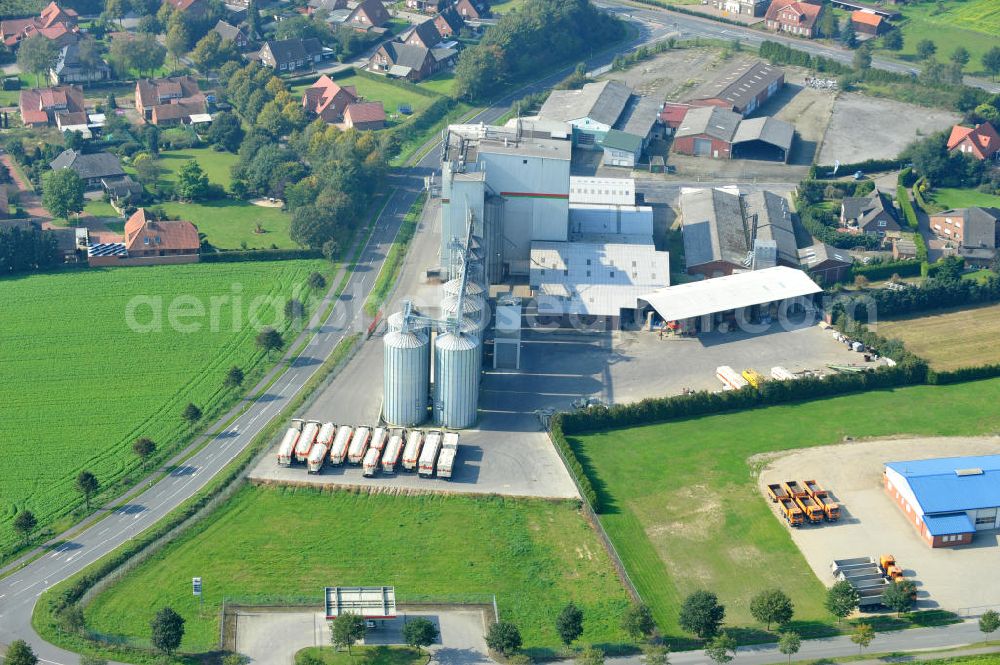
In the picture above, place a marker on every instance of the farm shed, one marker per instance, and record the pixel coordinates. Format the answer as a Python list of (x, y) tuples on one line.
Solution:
[(763, 138), (746, 89), (947, 499)]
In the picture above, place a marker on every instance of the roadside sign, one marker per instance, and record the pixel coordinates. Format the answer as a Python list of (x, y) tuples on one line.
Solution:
[(196, 586)]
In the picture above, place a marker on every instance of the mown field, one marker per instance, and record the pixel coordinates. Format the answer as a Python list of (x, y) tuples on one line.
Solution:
[(216, 165), (974, 24), (948, 197), (283, 542), (950, 338), (680, 502), (80, 384), (232, 224)]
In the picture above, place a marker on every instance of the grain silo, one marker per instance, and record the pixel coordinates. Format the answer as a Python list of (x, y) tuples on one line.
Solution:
[(456, 374), (472, 287), (407, 375)]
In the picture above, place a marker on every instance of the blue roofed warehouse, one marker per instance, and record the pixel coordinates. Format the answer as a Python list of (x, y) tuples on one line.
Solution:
[(947, 499)]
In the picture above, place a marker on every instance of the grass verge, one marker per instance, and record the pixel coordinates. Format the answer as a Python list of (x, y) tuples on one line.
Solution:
[(362, 655), (394, 257)]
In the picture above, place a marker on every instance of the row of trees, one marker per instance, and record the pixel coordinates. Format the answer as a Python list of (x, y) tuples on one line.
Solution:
[(24, 250)]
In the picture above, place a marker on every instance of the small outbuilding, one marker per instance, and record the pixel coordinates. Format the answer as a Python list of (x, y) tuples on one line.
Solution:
[(763, 138)]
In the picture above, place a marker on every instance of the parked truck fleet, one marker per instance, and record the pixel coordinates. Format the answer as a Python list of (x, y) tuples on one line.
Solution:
[(380, 449), (801, 501)]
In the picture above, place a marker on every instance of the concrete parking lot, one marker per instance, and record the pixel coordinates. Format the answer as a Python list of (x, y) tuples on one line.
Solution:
[(860, 130), (273, 637), (954, 579)]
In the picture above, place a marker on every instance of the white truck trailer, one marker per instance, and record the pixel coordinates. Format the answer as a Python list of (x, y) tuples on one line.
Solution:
[(338, 451), (731, 379), (380, 436), (306, 441), (317, 456), (359, 445), (779, 373), (286, 449), (326, 433), (390, 456), (429, 453), (411, 453), (370, 464), (449, 451)]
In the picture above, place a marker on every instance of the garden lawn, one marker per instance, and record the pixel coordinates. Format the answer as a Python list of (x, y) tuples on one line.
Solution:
[(950, 338), (681, 505), (390, 95), (80, 385), (974, 24), (291, 542), (362, 655), (442, 83), (216, 165), (948, 197), (229, 223)]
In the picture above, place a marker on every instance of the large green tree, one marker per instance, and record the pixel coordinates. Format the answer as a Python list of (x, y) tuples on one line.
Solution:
[(926, 49), (192, 182), (167, 630), (772, 606), (37, 55), (569, 623), (346, 629), (62, 193), (20, 653), (143, 448), (638, 621), (991, 61), (899, 596), (701, 614), (420, 632), (503, 637), (721, 649), (24, 523), (842, 599), (87, 485)]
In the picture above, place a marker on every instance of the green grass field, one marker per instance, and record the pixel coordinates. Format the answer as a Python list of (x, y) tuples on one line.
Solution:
[(974, 24), (100, 208), (390, 95), (680, 502), (534, 555), (443, 83), (948, 198), (216, 165), (363, 655), (80, 384), (228, 223)]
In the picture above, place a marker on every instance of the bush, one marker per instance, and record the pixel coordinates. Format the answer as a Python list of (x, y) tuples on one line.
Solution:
[(261, 255), (573, 462), (877, 271)]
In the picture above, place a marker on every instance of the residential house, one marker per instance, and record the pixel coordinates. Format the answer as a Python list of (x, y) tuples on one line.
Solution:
[(797, 18), (364, 115), (54, 22), (472, 10), (328, 6), (825, 263), (725, 232), (288, 55), (868, 23), (591, 111), (231, 33), (123, 191), (55, 106), (369, 14), (410, 62), (92, 168), (194, 8), (69, 68), (328, 99), (981, 141), (745, 89), (448, 23), (426, 34), (971, 231), (744, 7), (869, 214), (431, 6), (145, 236), (169, 101)]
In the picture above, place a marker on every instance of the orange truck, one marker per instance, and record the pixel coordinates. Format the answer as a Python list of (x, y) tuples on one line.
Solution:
[(812, 509), (777, 492), (793, 515), (830, 507), (887, 563), (795, 490)]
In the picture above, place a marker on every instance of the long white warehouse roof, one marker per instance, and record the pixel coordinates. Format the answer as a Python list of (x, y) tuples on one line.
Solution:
[(721, 294)]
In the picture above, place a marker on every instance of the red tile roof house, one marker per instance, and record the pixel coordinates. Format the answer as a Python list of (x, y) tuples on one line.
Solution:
[(149, 242), (867, 23), (54, 22), (328, 99), (195, 8), (367, 15), (448, 23), (981, 141), (366, 115), (472, 10), (41, 107), (155, 97), (797, 18)]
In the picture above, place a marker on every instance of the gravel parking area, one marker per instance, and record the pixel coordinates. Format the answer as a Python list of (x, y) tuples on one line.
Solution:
[(273, 637), (871, 524), (675, 74), (865, 128)]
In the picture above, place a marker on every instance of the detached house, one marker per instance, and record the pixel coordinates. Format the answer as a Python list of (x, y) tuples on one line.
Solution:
[(472, 9), (169, 101), (971, 231), (194, 8), (364, 116), (411, 62), (869, 214), (368, 15), (868, 22), (92, 168), (426, 34), (70, 69), (54, 23), (448, 23), (426, 5), (287, 55), (745, 7), (231, 33), (328, 99), (797, 18), (56, 106), (146, 237), (981, 141)]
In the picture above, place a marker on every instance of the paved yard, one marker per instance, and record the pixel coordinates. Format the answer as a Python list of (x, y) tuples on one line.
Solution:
[(273, 637), (865, 128), (872, 525)]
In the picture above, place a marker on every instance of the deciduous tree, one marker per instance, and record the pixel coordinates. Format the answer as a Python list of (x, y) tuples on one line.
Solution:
[(989, 622), (863, 635), (638, 621), (893, 40), (656, 654), (772, 606), (167, 630), (20, 653), (960, 56), (192, 182), (420, 632), (191, 413), (789, 643), (24, 523), (234, 377), (346, 629), (37, 55), (721, 649), (926, 49), (590, 656), (701, 614), (899, 596), (144, 449), (87, 485), (991, 61), (226, 131), (569, 623), (62, 193), (842, 599), (503, 637)]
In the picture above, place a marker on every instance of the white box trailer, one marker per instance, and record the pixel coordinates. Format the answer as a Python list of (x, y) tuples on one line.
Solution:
[(411, 453), (779, 373), (369, 465), (317, 456), (338, 451), (390, 456), (429, 453), (731, 379), (449, 451), (359, 445), (306, 441), (380, 436), (286, 449)]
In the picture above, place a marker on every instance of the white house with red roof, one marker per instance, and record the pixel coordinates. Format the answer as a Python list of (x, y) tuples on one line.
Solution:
[(981, 141)]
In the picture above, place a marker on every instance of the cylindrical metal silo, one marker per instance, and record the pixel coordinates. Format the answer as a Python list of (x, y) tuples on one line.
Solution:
[(471, 306), (406, 376), (456, 384), (472, 287), (395, 322)]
